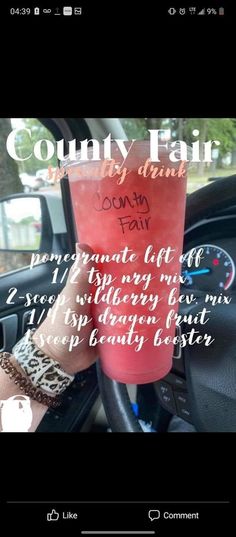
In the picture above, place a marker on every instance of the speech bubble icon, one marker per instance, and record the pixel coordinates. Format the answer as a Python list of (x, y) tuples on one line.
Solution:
[(154, 514)]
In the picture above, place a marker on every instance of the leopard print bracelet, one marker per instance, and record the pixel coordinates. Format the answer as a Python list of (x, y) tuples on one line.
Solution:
[(42, 371), (24, 384)]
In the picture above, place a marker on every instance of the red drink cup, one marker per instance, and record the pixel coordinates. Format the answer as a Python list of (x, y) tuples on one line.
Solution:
[(142, 214)]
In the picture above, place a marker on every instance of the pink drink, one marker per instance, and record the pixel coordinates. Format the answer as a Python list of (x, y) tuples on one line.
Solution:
[(141, 211)]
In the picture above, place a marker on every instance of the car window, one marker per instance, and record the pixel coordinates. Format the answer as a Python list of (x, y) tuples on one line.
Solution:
[(27, 176), (223, 158)]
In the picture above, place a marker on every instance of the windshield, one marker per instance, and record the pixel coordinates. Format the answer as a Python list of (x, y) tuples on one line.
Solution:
[(224, 129)]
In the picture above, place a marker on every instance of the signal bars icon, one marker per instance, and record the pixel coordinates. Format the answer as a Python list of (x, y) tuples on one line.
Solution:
[(202, 12)]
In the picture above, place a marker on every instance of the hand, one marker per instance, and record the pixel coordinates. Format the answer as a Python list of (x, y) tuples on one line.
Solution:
[(82, 356), (53, 516)]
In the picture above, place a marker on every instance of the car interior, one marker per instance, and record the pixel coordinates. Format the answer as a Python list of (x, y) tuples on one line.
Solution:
[(198, 395)]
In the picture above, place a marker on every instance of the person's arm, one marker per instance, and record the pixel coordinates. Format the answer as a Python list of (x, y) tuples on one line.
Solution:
[(79, 358)]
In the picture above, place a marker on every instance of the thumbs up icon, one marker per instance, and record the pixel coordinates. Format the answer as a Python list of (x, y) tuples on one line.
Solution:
[(53, 516)]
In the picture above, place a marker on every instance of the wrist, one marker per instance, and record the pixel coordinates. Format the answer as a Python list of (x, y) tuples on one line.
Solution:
[(20, 384), (43, 370), (52, 351)]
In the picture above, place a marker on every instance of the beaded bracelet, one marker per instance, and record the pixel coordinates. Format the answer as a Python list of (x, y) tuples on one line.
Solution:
[(25, 385)]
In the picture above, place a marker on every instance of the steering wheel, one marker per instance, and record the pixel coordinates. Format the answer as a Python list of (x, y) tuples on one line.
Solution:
[(210, 371)]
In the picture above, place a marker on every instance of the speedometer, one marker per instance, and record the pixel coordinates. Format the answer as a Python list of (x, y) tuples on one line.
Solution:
[(216, 270)]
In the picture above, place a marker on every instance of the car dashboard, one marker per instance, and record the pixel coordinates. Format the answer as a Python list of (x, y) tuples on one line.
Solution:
[(217, 238), (215, 275)]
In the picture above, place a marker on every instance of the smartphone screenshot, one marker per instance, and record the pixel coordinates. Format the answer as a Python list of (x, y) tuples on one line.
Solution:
[(117, 268)]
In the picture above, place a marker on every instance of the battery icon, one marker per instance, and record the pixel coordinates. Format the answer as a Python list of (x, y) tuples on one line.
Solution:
[(221, 10), (36, 11)]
